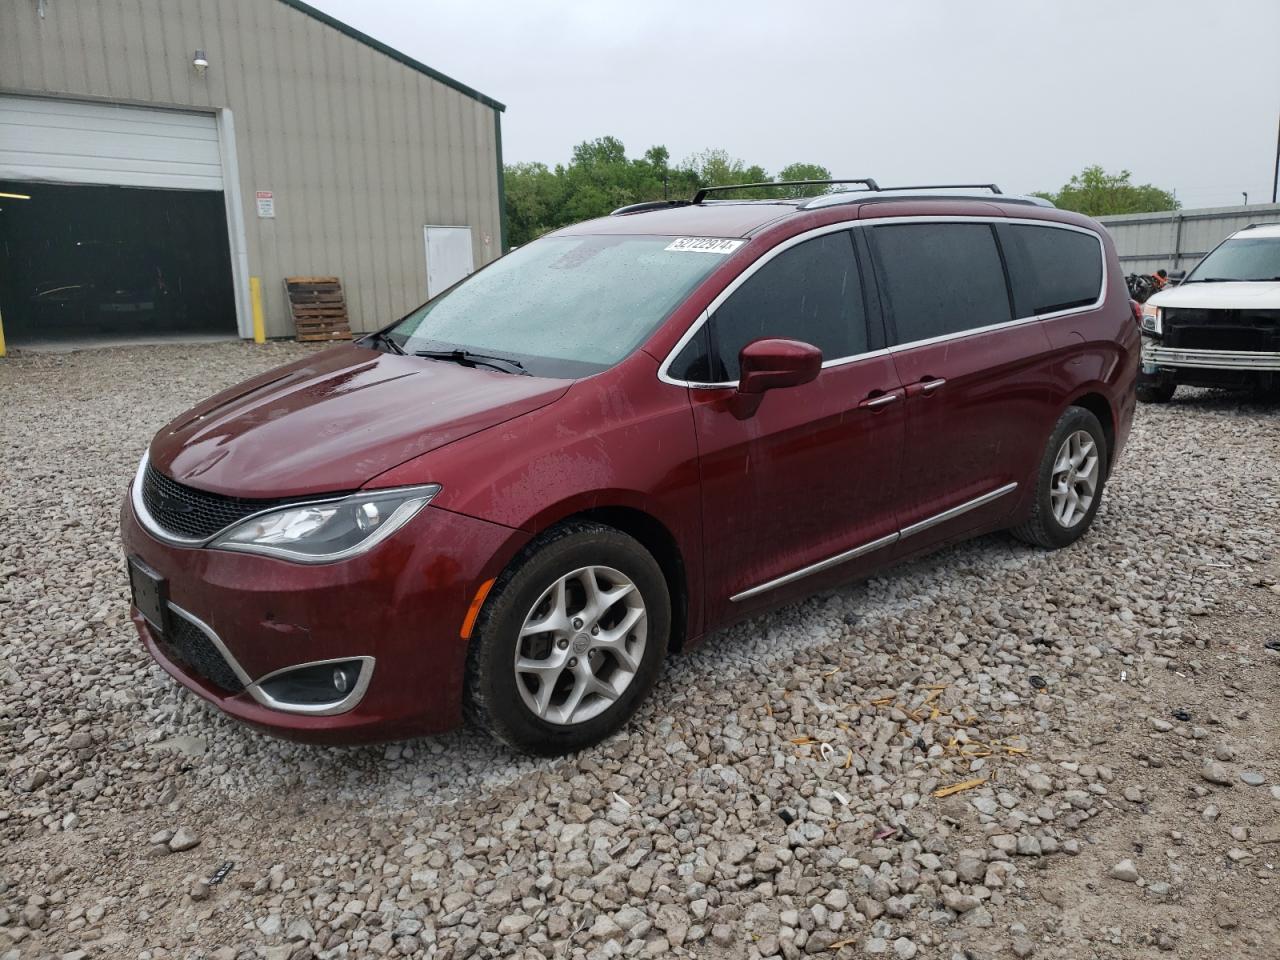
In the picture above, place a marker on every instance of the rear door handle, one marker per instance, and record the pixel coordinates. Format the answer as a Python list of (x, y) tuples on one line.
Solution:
[(925, 387)]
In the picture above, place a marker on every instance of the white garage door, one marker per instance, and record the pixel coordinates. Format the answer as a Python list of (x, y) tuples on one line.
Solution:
[(65, 141)]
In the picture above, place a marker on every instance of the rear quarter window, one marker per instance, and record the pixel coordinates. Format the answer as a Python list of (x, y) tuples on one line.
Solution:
[(1052, 268)]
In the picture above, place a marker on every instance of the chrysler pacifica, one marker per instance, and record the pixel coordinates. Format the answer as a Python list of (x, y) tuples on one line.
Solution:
[(513, 503)]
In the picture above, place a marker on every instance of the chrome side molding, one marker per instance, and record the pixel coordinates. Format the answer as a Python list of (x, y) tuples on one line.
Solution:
[(818, 567), (864, 549), (954, 512)]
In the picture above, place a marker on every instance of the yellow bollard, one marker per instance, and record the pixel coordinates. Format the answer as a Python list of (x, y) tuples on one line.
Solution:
[(255, 294), (2, 351)]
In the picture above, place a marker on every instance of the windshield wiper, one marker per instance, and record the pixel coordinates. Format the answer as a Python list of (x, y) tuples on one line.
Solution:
[(385, 338), (1210, 280), (469, 359)]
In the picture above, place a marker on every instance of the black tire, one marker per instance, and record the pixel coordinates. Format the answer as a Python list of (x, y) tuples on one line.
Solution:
[(493, 701), (1042, 528), (1156, 392)]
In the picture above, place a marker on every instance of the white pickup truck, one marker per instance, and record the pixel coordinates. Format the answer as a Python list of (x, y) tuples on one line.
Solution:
[(1220, 327)]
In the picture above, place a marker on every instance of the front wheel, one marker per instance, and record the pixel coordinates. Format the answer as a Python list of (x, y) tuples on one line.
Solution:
[(1069, 482), (570, 641)]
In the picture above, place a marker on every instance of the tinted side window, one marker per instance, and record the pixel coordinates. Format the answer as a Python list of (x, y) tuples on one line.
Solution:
[(1052, 268), (812, 292), (940, 278)]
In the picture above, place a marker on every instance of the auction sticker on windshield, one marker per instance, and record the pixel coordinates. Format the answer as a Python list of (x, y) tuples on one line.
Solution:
[(704, 245)]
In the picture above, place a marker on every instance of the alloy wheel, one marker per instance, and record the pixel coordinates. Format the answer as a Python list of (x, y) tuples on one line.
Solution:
[(581, 645), (1075, 479)]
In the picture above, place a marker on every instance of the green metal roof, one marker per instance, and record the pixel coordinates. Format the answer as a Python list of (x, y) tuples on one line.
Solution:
[(393, 53)]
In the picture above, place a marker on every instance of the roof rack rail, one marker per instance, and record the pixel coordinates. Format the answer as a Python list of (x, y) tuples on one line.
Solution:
[(950, 186), (701, 195), (648, 205)]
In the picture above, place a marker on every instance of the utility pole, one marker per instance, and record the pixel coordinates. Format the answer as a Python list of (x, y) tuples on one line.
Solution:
[(1275, 174)]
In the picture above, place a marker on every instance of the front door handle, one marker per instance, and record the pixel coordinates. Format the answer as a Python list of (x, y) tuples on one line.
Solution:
[(875, 403)]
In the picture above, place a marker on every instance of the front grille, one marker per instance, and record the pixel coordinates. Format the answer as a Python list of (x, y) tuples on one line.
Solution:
[(194, 514), (189, 646), (1197, 329)]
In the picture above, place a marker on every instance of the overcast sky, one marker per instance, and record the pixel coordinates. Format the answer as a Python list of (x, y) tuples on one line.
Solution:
[(1185, 93)]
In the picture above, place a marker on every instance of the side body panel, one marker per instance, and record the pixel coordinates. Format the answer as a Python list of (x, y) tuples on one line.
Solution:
[(809, 475), (981, 430)]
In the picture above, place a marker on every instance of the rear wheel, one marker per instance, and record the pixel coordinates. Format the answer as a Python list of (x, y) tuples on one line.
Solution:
[(1069, 482), (570, 642)]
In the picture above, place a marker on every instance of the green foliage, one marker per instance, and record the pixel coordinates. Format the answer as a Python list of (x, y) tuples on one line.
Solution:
[(804, 171), (1096, 193), (600, 178)]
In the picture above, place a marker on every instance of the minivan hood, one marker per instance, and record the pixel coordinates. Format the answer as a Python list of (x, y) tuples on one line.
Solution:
[(1233, 295), (335, 420)]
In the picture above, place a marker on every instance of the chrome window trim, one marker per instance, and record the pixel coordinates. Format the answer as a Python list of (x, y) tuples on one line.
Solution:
[(863, 549), (664, 369), (254, 689)]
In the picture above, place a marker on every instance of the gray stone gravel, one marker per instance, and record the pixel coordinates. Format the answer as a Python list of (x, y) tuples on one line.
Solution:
[(776, 797)]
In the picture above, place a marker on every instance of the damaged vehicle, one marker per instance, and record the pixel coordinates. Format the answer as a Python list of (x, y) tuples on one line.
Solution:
[(515, 502), (1220, 327)]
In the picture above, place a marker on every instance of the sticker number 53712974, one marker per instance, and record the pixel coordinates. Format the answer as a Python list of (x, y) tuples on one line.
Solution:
[(704, 245)]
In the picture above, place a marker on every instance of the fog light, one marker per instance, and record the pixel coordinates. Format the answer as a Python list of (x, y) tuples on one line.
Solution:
[(315, 685)]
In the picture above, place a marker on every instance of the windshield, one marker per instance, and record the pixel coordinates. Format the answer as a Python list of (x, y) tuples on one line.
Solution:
[(1246, 258), (562, 306)]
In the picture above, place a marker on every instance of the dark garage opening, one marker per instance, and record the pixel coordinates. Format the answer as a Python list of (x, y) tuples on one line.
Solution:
[(94, 263)]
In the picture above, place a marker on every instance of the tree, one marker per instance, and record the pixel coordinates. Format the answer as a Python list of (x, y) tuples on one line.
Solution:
[(1096, 193), (599, 178), (535, 197), (804, 171), (716, 167)]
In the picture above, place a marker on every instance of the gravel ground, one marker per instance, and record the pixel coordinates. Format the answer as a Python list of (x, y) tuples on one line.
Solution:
[(1111, 710)]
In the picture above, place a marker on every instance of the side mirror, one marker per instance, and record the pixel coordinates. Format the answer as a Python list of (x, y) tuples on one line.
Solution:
[(1177, 276), (772, 363)]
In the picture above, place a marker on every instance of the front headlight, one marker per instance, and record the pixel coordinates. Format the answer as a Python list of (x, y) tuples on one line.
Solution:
[(328, 530), (1152, 319)]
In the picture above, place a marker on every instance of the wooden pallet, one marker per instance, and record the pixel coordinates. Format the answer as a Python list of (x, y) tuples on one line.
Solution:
[(319, 308)]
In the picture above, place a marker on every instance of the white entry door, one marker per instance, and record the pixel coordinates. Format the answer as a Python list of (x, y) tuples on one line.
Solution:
[(448, 257)]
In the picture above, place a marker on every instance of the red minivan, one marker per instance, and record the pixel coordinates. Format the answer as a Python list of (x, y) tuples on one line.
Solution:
[(514, 502)]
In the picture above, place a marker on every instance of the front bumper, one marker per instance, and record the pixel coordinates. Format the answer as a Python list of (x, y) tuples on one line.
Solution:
[(1154, 355), (400, 606)]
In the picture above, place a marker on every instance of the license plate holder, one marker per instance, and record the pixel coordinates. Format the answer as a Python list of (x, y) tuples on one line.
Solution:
[(150, 594)]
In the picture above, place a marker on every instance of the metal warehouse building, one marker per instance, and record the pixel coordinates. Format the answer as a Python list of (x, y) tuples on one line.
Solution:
[(1178, 239), (155, 155)]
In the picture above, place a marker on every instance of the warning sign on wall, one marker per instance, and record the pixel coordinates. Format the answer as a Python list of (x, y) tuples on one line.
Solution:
[(266, 204)]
